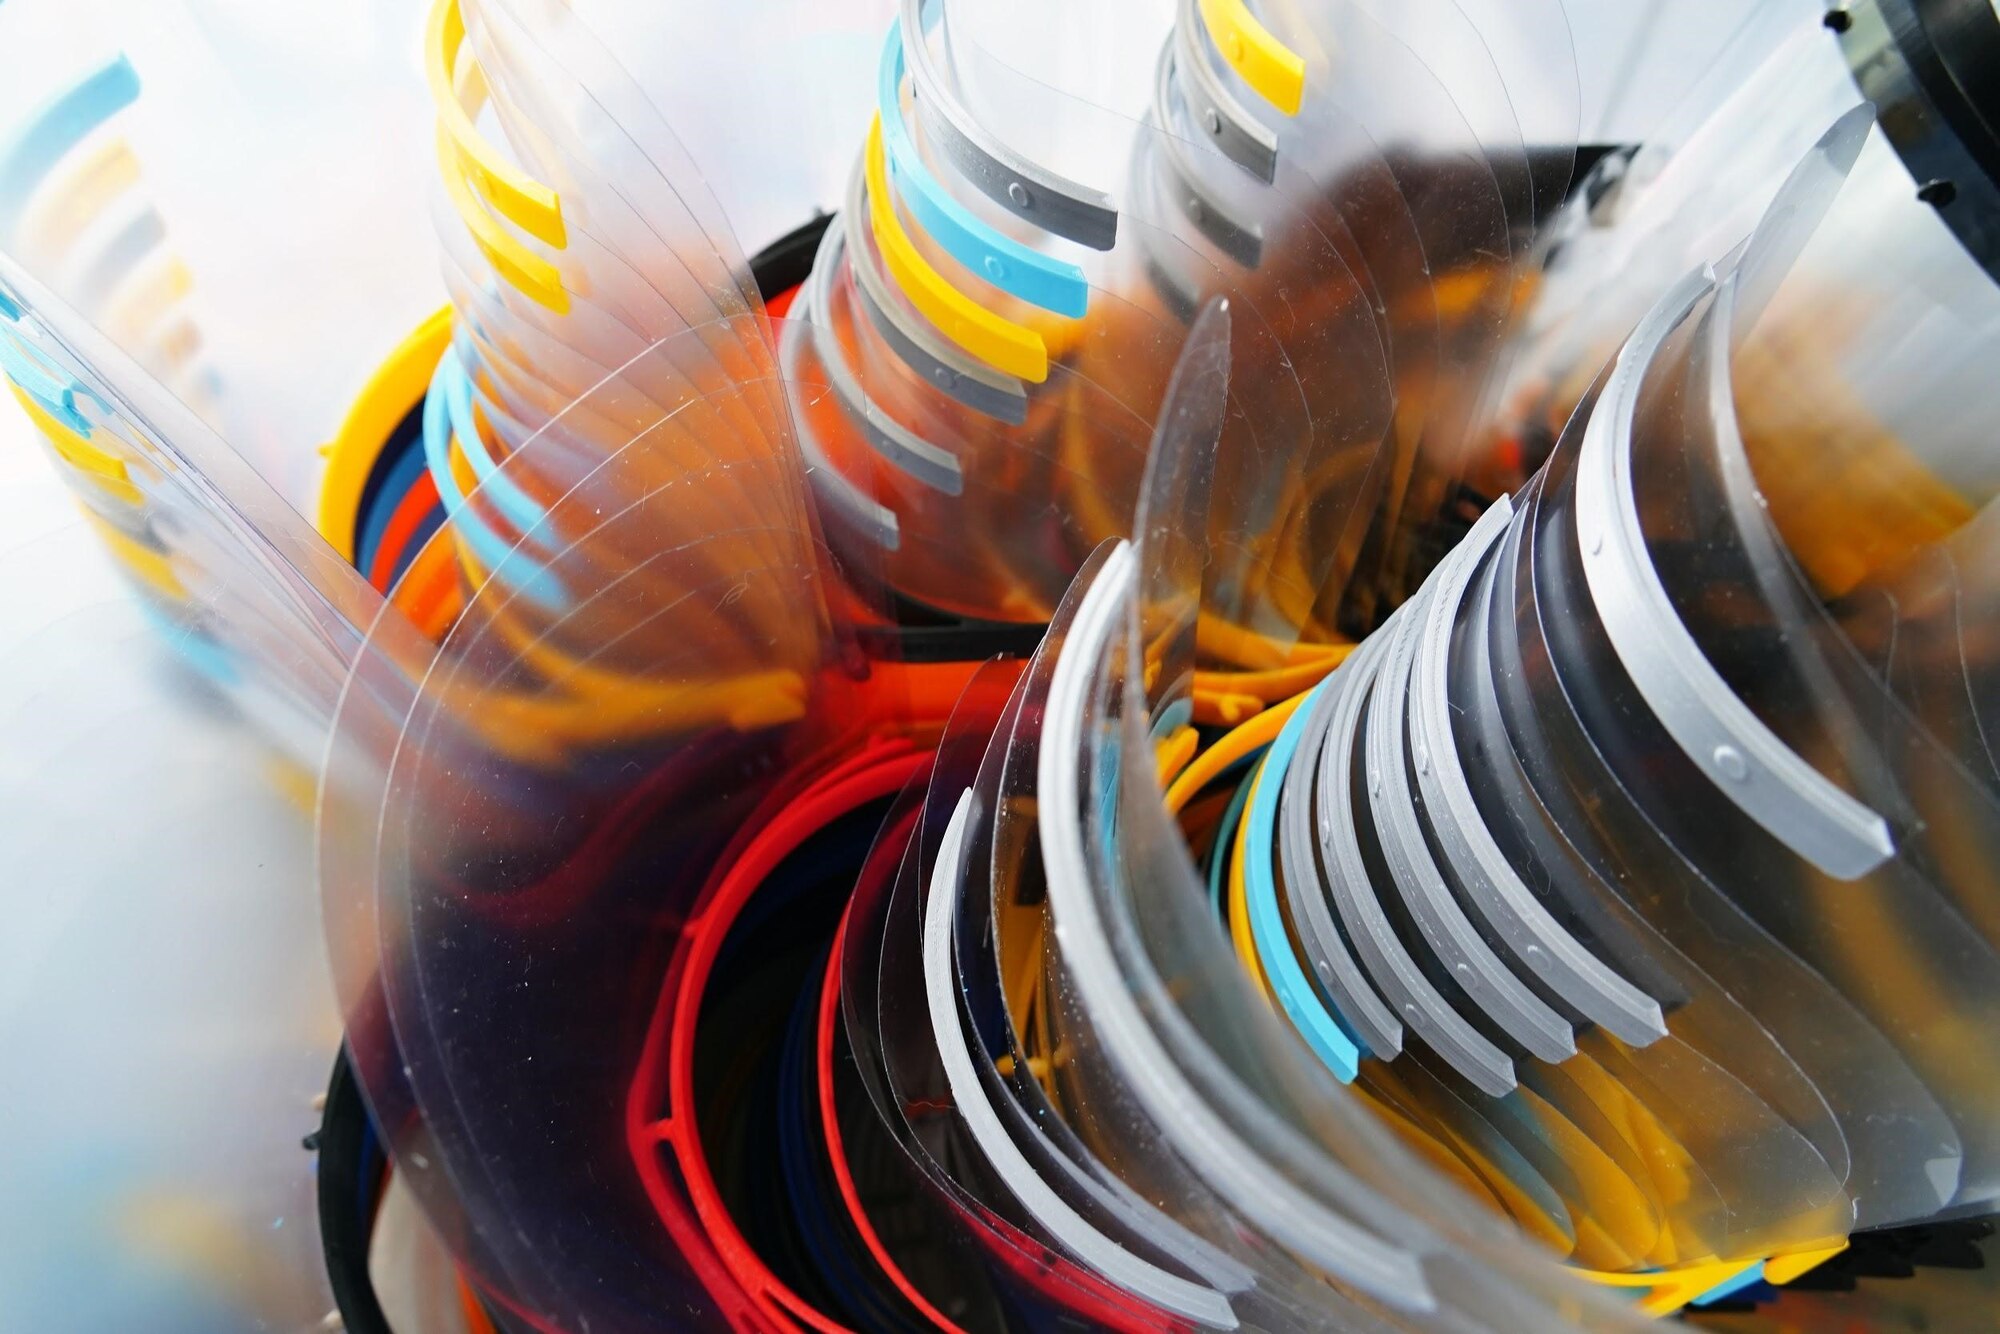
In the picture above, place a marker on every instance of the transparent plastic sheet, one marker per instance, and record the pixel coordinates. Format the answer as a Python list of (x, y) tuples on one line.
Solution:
[(1636, 69), (629, 272), (1739, 596), (1718, 1082), (1099, 515), (1535, 51), (242, 561), (665, 228), (1000, 945), (1165, 621), (198, 1213), (1912, 621), (573, 44), (998, 1228), (1873, 347), (1800, 1154), (675, 374), (1453, 50), (1416, 977), (535, 814), (1257, 1149), (1141, 1201), (571, 354), (1143, 289), (1383, 110), (1546, 1150), (250, 200), (1056, 1201), (770, 162), (1696, 188), (1865, 1092), (1161, 577)]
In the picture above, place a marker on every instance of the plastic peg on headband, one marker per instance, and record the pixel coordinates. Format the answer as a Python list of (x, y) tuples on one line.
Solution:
[(1025, 189), (1273, 70), (1053, 284)]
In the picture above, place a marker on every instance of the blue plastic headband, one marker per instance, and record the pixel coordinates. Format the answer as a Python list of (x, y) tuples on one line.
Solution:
[(1038, 279), (494, 553), (43, 380), (1322, 1030), (515, 505), (201, 652), (59, 126)]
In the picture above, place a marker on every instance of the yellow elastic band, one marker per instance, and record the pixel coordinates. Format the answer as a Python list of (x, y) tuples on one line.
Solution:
[(148, 566), (107, 470), (1273, 70), (1222, 641), (608, 705), (1173, 752), (1261, 730), (148, 302), (1277, 684), (1239, 904), (51, 227), (397, 385), (522, 200), (521, 267), (1000, 343)]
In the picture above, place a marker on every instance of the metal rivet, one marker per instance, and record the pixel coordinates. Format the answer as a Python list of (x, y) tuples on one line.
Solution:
[(1729, 762)]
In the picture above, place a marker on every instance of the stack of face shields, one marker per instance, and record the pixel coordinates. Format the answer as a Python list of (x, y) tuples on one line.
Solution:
[(1055, 750), (1048, 196), (173, 655), (205, 244)]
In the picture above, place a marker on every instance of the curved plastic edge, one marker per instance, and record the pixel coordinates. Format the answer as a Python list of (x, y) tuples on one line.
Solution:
[(862, 512), (1750, 765), (1451, 937), (1289, 983), (1273, 70), (1028, 191), (1398, 975), (932, 464), (1266, 1195), (1041, 280), (1000, 343), (522, 200), (1245, 140), (1242, 241), (1354, 999), (1169, 1292), (59, 126), (1488, 879)]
